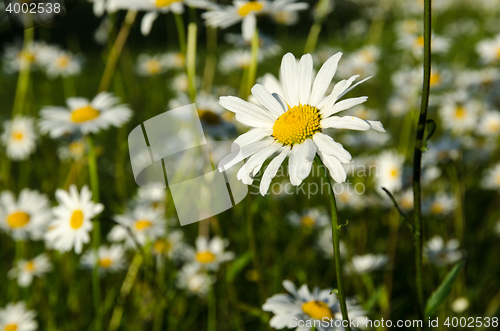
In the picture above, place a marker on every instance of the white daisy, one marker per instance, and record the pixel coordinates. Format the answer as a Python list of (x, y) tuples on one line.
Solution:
[(237, 59), (110, 259), (414, 42), (26, 270), (363, 62), (19, 138), (489, 124), (293, 125), (15, 317), (489, 49), (153, 197), (180, 83), (74, 150), (194, 280), (459, 113), (172, 246), (347, 196), (406, 199), (16, 55), (63, 64), (363, 264), (325, 244), (389, 171), (309, 218), (84, 116), (440, 253), (442, 204), (145, 223), (459, 305), (175, 60), (491, 180), (26, 217), (151, 65), (73, 219), (304, 309), (209, 254)]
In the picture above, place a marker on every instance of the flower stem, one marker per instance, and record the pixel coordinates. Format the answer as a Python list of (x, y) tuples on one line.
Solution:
[(114, 55), (96, 234), (252, 69), (336, 245), (24, 74), (179, 22), (191, 60), (417, 157), (312, 38)]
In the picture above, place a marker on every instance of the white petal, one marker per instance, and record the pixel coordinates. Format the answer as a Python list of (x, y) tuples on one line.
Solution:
[(250, 137), (289, 76), (241, 154), (266, 99), (248, 27), (239, 106), (147, 22), (256, 160), (305, 78), (253, 121), (334, 166), (300, 161), (377, 126), (345, 104), (272, 169), (346, 122), (328, 146), (347, 90), (324, 78)]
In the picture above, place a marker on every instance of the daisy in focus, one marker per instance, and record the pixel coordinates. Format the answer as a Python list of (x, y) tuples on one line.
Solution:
[(309, 218), (73, 220), (19, 138), (312, 308), (442, 253), (110, 259), (293, 124), (209, 254), (363, 264), (26, 270), (84, 116), (491, 180), (26, 217), (15, 317), (194, 280)]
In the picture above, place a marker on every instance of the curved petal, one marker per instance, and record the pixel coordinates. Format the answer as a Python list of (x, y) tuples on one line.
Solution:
[(346, 122), (300, 161), (289, 73), (266, 99), (323, 79), (248, 27), (328, 146), (147, 22), (337, 171), (271, 170), (305, 78)]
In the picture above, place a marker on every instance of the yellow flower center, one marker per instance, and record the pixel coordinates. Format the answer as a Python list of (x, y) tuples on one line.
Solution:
[(297, 124), (205, 257), (17, 135), (11, 327), (164, 3), (493, 126), (249, 7), (420, 41), (460, 112), (162, 246), (437, 208), (435, 79), (368, 56), (317, 310), (307, 221), (77, 148), (143, 224), (84, 114), (28, 56), (497, 179), (498, 53), (76, 219), (153, 66), (105, 263), (29, 266), (179, 60), (394, 173), (209, 116), (18, 219), (407, 203), (63, 61)]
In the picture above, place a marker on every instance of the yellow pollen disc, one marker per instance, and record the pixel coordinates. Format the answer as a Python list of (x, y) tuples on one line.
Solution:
[(205, 257), (407, 203), (18, 219), (84, 114), (368, 56), (77, 148), (420, 40), (249, 7), (435, 79), (153, 67), (498, 53), (297, 124), (497, 179), (105, 263), (161, 246), (180, 60), (344, 197), (164, 3), (142, 224), (63, 61), (28, 56), (460, 112), (317, 310), (76, 219), (493, 126), (11, 327), (209, 116), (437, 208), (17, 135), (394, 172), (29, 266), (307, 221)]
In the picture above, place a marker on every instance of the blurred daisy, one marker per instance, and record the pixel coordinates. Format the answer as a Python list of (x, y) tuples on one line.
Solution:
[(16, 55), (246, 12), (73, 219), (325, 244), (26, 217), (459, 305), (347, 196), (172, 246), (75, 150), (491, 180), (19, 138), (489, 49), (415, 43), (194, 280), (489, 124), (406, 200), (293, 125), (209, 254), (363, 264), (175, 60), (152, 197), (25, 270), (15, 317), (110, 259), (440, 253), (459, 113), (180, 83), (362, 62), (63, 64), (309, 218), (145, 224), (442, 204), (312, 309), (151, 65), (84, 116), (389, 171), (237, 59)]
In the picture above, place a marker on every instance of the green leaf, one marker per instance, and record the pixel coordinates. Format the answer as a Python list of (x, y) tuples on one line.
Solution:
[(443, 290), (238, 265)]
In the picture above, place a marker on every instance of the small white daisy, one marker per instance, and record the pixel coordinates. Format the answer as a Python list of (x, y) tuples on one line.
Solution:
[(363, 62), (153, 197), (63, 64), (363, 264), (151, 65), (389, 171), (312, 309), (25, 270), (172, 246), (309, 218), (194, 280), (489, 49), (145, 223), (459, 305), (347, 196), (406, 199), (293, 126), (16, 55), (459, 113), (441, 204), (15, 317), (325, 244), (236, 59), (491, 180), (414, 42), (209, 254), (110, 259), (19, 138), (74, 150), (73, 219), (26, 217), (84, 116), (440, 253), (489, 124)]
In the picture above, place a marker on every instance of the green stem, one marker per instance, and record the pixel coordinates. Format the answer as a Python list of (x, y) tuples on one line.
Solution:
[(24, 74), (253, 245), (252, 69), (336, 245), (117, 50), (312, 38), (212, 310), (211, 60), (191, 60), (96, 234), (417, 157), (179, 22)]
